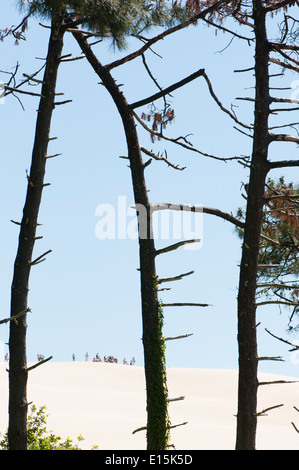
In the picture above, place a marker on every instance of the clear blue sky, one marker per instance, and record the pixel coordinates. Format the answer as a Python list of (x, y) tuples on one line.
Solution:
[(86, 296)]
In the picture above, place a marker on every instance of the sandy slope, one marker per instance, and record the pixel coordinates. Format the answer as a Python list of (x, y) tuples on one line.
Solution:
[(106, 402)]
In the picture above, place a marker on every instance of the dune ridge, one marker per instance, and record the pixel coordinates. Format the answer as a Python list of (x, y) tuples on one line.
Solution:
[(106, 403)]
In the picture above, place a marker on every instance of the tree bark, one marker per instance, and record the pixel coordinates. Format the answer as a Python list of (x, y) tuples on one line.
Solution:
[(152, 315), (247, 338), (17, 430)]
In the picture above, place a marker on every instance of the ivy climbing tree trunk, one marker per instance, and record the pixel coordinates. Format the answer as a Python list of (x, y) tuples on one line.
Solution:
[(152, 317), (17, 429), (247, 338)]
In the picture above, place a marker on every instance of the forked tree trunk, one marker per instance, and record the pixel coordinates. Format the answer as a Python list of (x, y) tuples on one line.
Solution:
[(17, 429), (247, 337), (152, 318)]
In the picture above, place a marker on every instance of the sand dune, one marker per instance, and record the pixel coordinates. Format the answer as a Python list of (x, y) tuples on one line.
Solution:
[(106, 402)]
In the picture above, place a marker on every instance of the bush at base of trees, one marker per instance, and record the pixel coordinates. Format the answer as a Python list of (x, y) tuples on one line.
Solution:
[(38, 436)]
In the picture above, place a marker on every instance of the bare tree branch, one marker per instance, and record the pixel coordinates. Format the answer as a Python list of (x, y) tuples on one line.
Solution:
[(6, 320), (294, 426), (262, 413), (286, 56), (279, 46), (40, 259), (143, 428), (283, 137), (294, 346), (276, 6), (276, 382), (199, 209), (266, 266), (170, 338), (284, 64), (221, 105), (277, 286), (14, 30), (161, 158), (283, 100), (175, 246), (39, 364), (177, 141), (13, 90), (278, 302), (266, 358), (222, 28), (207, 210), (176, 399), (282, 196), (177, 425), (169, 31), (167, 90), (175, 278), (184, 304), (283, 164)]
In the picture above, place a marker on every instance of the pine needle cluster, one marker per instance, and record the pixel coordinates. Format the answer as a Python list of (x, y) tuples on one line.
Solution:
[(113, 19)]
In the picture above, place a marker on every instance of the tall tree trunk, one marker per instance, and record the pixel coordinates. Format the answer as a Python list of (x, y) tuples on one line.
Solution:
[(152, 318), (247, 338), (17, 430)]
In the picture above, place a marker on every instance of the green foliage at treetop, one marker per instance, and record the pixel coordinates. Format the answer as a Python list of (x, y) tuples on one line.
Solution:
[(114, 19)]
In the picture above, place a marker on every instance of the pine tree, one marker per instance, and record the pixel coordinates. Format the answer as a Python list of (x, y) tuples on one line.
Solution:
[(18, 371), (113, 20)]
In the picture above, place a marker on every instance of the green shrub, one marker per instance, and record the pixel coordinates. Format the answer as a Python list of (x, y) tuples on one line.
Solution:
[(38, 437)]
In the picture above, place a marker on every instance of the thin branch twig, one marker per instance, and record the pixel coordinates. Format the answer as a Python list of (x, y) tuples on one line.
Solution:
[(13, 90), (283, 340), (39, 363), (40, 258), (278, 382), (184, 304), (176, 245), (262, 413), (167, 90), (6, 320), (170, 338), (176, 399), (175, 278), (182, 144), (161, 158)]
